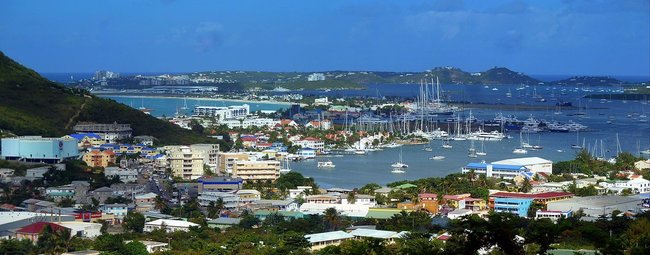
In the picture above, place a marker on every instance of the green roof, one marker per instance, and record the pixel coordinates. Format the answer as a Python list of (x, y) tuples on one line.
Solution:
[(383, 213), (570, 252), (60, 194), (406, 186), (265, 213)]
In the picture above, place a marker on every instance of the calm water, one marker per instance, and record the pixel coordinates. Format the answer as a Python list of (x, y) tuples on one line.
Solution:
[(169, 106), (354, 171)]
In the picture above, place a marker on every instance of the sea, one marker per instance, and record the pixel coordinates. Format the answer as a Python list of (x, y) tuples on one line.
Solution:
[(352, 171)]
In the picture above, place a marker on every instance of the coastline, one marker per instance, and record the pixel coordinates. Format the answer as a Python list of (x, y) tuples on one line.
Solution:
[(195, 98)]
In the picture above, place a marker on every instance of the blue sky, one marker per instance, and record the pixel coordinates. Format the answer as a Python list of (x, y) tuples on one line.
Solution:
[(605, 37)]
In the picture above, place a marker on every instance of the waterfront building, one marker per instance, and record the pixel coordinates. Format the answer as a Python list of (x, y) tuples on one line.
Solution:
[(39, 149), (518, 206), (256, 170), (220, 183), (306, 153), (97, 158), (511, 168), (310, 142), (222, 113), (108, 132), (169, 225)]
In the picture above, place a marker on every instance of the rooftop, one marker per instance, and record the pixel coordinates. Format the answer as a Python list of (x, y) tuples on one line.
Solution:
[(173, 223), (328, 236), (523, 161), (382, 234), (543, 195)]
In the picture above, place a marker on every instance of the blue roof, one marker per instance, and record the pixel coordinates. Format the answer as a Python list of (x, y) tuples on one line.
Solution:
[(80, 136), (495, 166), (528, 175), (512, 199)]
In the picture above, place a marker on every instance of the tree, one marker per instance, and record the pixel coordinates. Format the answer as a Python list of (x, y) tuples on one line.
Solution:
[(214, 208), (159, 203), (53, 242), (543, 232), (133, 221), (66, 202), (369, 189), (135, 248), (17, 246), (332, 219), (108, 243), (248, 221), (352, 198)]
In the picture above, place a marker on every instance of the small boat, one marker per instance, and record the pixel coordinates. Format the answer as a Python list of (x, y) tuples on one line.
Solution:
[(360, 152), (482, 151), (446, 144), (439, 157), (495, 89), (519, 151), (326, 164), (646, 152)]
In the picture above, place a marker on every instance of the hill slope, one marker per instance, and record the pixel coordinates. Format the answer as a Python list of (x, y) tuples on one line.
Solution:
[(33, 105)]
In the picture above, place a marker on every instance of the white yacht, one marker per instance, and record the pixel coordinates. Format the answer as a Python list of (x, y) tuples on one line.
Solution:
[(399, 164), (285, 168), (326, 164), (438, 157)]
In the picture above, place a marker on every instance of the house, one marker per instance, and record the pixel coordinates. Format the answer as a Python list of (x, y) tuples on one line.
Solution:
[(86, 140), (460, 212), (223, 223), (277, 205), (388, 236), (118, 210), (83, 229), (169, 225), (383, 213), (6, 173), (101, 194), (642, 164), (155, 246), (553, 215), (360, 199), (287, 215), (299, 191), (323, 199), (322, 240), (145, 202), (455, 201), (541, 199), (34, 230)]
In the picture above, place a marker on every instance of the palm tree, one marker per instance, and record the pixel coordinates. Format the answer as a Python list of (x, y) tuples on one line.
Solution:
[(159, 203), (332, 218), (352, 198)]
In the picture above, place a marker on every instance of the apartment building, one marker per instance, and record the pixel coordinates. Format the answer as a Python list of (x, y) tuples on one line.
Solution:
[(226, 160), (256, 170)]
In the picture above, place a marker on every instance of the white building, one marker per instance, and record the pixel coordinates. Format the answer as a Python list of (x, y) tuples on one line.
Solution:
[(310, 142), (169, 225), (360, 199), (188, 161), (83, 229), (637, 185), (322, 240), (125, 175), (316, 77), (553, 215), (250, 122), (222, 113), (230, 199), (299, 191), (118, 210), (534, 164), (350, 210)]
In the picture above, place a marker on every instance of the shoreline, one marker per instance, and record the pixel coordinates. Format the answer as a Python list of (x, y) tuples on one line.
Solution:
[(195, 98)]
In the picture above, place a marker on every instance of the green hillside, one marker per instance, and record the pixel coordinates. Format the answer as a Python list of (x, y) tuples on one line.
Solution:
[(33, 105)]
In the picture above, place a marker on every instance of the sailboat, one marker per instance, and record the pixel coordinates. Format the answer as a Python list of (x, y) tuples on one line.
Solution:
[(285, 168), (427, 147), (184, 107), (538, 146), (472, 151), (482, 152), (509, 94), (520, 149), (399, 164), (576, 145), (618, 151)]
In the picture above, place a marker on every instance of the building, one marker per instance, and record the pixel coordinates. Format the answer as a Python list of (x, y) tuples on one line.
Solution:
[(97, 158), (10, 221), (310, 142), (518, 206), (33, 231), (153, 246), (306, 153), (230, 199), (226, 160), (82, 229), (595, 206), (60, 192), (350, 210), (169, 225), (250, 122), (220, 183), (460, 212), (316, 77), (360, 199), (222, 113), (324, 199), (388, 236), (533, 164), (125, 175), (108, 132), (145, 202), (553, 215), (541, 199), (86, 140), (636, 185), (186, 162), (287, 215), (257, 170), (118, 210), (248, 196), (210, 153), (321, 240), (144, 140), (38, 149), (223, 222), (511, 168)]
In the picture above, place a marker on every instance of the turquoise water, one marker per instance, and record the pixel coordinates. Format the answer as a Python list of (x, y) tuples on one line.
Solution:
[(169, 106)]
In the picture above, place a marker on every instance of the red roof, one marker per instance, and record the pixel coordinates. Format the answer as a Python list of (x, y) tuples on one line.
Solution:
[(456, 197), (37, 228), (542, 195), (444, 237), (428, 195)]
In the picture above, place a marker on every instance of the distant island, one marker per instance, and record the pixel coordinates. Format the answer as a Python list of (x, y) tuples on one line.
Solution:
[(279, 81)]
